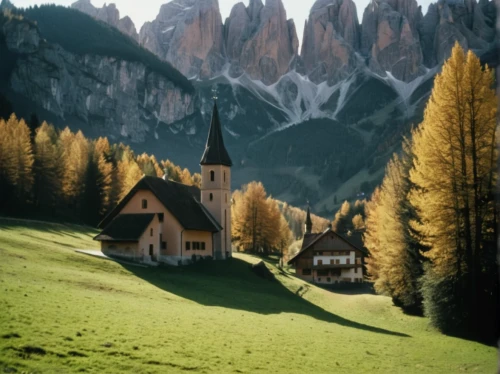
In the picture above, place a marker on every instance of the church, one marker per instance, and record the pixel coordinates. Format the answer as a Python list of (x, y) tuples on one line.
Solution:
[(161, 221)]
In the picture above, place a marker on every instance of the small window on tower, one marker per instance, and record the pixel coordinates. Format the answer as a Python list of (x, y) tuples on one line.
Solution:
[(212, 175), (226, 198), (151, 232), (224, 176), (211, 197)]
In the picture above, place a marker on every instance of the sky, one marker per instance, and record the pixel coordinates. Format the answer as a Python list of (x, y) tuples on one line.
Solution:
[(147, 10)]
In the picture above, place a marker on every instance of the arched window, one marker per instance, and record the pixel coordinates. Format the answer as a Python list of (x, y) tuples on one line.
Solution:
[(226, 198), (211, 197), (212, 175), (224, 176), (151, 232)]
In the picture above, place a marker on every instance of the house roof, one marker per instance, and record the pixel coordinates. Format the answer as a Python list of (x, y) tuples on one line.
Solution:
[(182, 201), (311, 239), (126, 227), (215, 151)]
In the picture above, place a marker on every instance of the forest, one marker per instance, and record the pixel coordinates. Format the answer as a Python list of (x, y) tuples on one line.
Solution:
[(432, 225), (61, 175)]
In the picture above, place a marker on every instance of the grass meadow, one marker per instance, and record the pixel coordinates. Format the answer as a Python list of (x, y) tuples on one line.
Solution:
[(61, 311)]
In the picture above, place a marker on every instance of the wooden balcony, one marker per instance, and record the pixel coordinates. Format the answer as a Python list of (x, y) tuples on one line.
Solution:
[(337, 266)]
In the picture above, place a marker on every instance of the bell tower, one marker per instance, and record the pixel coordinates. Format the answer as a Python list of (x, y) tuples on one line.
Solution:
[(216, 185)]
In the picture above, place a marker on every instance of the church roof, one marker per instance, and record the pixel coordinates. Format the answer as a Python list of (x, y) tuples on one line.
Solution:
[(126, 227), (182, 201), (215, 151)]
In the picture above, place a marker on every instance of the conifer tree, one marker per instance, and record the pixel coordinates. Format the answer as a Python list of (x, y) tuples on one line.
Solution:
[(22, 179), (454, 175), (46, 168)]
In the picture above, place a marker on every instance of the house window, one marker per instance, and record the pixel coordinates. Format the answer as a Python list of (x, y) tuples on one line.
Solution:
[(211, 197), (202, 246), (161, 217), (348, 261), (212, 175), (188, 246), (144, 204), (151, 232), (306, 271), (332, 262), (358, 261), (337, 262), (320, 262), (196, 245)]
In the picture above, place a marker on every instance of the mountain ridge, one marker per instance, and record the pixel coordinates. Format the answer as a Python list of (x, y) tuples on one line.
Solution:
[(346, 110)]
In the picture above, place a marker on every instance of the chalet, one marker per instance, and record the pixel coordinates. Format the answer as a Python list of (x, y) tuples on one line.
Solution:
[(327, 258), (163, 221)]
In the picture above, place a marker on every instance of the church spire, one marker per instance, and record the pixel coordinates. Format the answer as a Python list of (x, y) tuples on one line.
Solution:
[(309, 223), (215, 151)]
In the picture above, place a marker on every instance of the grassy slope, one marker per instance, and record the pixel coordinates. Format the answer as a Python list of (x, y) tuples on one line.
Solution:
[(209, 318)]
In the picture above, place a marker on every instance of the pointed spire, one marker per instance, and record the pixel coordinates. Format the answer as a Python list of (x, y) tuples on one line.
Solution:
[(309, 223), (215, 151)]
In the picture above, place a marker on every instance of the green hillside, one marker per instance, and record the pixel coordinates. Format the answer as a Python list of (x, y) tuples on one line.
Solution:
[(68, 312), (81, 34)]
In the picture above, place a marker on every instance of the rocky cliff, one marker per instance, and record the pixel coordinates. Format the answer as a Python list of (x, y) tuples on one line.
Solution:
[(268, 41), (120, 96), (109, 14), (258, 40), (188, 34)]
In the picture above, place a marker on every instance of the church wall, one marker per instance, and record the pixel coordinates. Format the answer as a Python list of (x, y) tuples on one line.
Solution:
[(197, 236), (154, 228), (170, 229)]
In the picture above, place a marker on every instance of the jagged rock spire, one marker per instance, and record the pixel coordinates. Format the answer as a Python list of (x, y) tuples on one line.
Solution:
[(309, 223), (215, 151)]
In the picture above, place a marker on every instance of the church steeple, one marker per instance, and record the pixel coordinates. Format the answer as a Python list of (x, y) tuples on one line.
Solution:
[(309, 223), (216, 185), (215, 151)]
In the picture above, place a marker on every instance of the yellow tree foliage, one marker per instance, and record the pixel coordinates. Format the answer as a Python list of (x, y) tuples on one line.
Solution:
[(22, 178), (455, 169), (371, 237), (104, 177), (257, 222), (75, 159), (358, 222)]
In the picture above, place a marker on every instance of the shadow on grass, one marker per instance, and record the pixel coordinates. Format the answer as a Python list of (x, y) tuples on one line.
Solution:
[(231, 284), (351, 288)]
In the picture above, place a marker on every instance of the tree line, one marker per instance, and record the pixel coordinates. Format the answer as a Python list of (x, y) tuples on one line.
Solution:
[(432, 225), (59, 174)]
